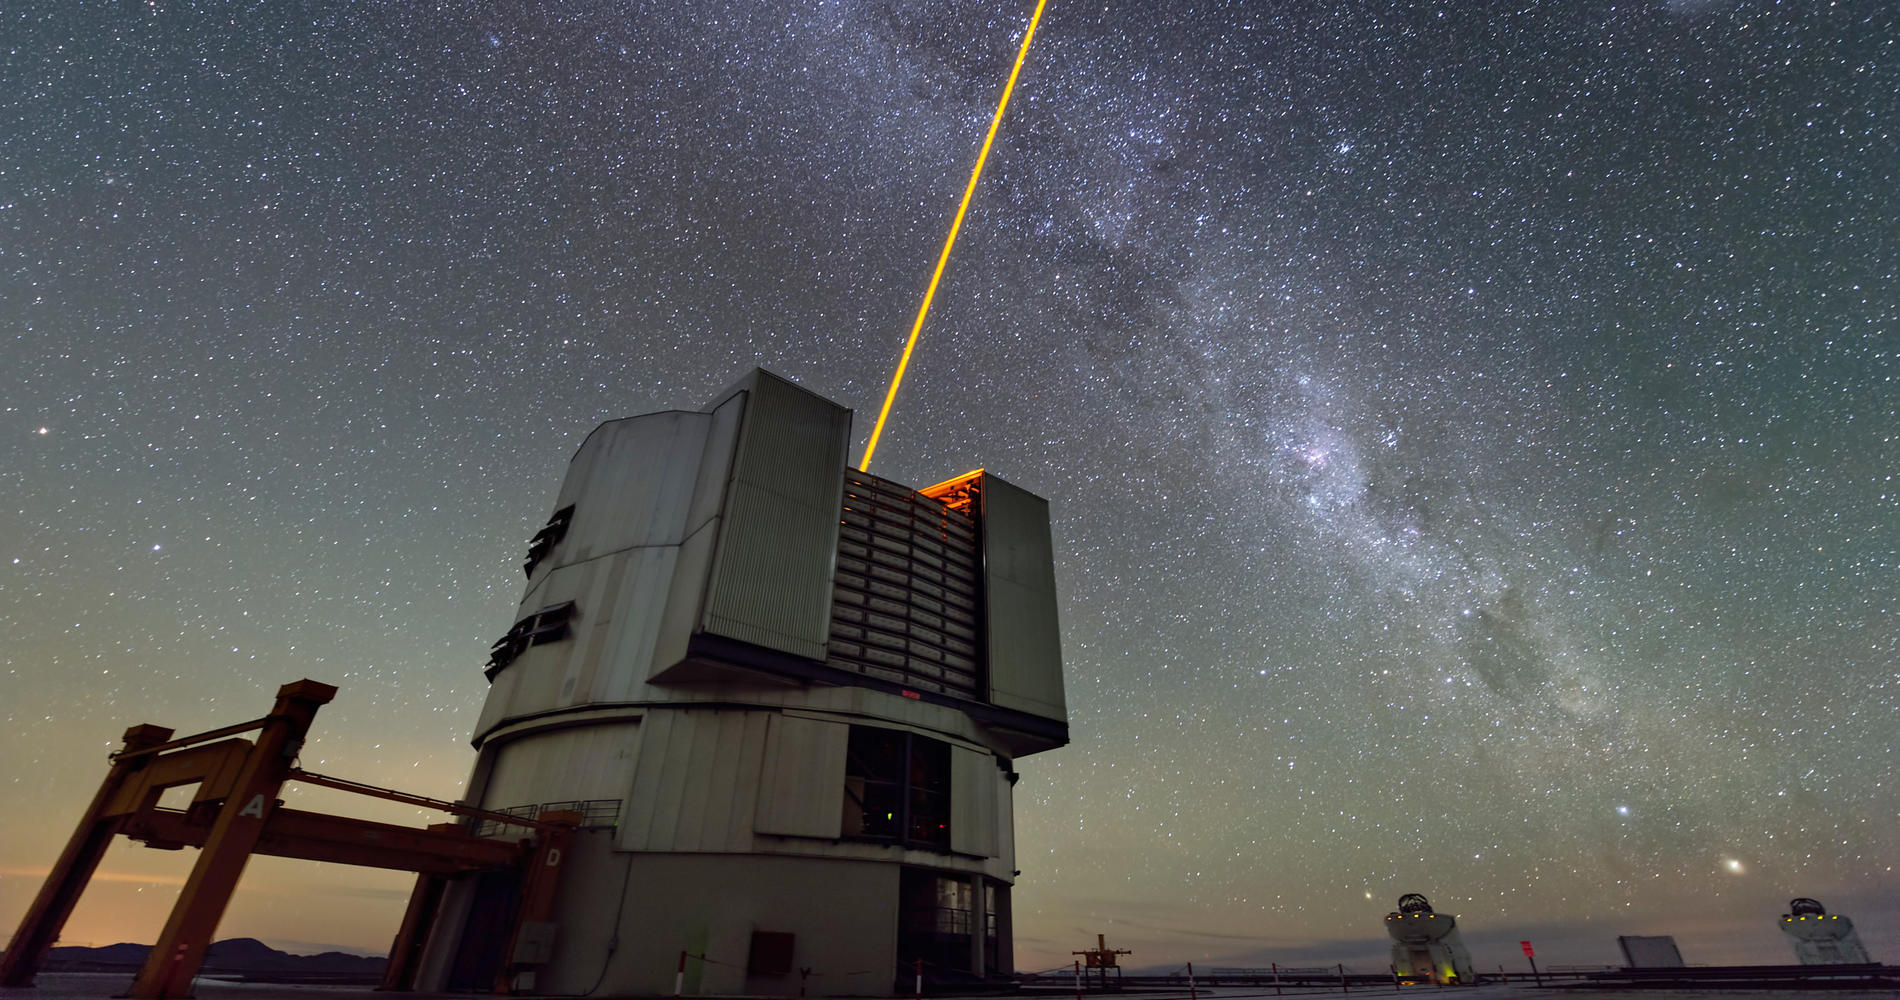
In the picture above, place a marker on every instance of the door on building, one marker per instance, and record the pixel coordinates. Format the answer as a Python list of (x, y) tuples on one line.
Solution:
[(936, 923), (485, 936)]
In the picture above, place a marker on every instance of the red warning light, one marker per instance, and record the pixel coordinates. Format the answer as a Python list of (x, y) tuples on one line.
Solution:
[(912, 694)]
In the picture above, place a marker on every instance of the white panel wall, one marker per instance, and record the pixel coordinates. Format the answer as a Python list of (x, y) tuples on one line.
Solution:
[(1025, 641), (619, 486), (632, 484), (801, 792), (761, 781), (697, 781), (772, 565), (538, 679), (634, 622), (584, 762), (973, 819)]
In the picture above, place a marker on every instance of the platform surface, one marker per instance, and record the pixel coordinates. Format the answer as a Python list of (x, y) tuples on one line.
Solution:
[(103, 985)]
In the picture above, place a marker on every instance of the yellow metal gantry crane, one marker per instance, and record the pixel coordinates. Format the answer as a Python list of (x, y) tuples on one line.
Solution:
[(1103, 957), (236, 813)]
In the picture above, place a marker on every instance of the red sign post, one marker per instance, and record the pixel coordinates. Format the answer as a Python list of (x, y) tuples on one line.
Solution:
[(1529, 954)]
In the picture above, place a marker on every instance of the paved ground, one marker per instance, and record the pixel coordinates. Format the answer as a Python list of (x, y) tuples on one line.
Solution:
[(101, 985)]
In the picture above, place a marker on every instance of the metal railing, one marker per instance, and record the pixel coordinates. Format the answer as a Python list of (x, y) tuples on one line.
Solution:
[(595, 814)]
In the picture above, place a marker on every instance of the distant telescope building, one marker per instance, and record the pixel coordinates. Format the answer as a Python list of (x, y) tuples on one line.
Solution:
[(1820, 937), (1426, 945), (785, 697)]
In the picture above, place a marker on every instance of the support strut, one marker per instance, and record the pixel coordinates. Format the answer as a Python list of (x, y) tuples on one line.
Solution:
[(236, 812), (60, 892), (174, 961)]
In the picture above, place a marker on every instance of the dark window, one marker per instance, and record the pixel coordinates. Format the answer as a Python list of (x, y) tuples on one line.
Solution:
[(929, 792), (991, 921), (547, 538), (934, 924), (897, 788), (546, 625)]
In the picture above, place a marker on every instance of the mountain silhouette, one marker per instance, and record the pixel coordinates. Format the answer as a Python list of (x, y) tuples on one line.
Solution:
[(247, 957)]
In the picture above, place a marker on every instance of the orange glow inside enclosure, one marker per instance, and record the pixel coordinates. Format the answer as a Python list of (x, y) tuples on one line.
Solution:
[(937, 491), (957, 494)]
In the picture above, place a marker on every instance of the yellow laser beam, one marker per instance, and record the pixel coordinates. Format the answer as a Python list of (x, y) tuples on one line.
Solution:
[(969, 191)]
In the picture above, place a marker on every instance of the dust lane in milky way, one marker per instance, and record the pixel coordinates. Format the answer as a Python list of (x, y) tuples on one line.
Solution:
[(1470, 427)]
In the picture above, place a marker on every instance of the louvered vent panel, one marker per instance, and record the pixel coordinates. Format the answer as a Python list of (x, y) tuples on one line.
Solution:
[(906, 593)]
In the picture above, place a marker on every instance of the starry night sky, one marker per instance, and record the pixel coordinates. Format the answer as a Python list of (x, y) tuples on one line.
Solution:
[(1470, 428)]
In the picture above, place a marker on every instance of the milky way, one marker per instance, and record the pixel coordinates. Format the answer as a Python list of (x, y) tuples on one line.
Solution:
[(1470, 428)]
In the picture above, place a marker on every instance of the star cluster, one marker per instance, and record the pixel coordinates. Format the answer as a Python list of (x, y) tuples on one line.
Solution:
[(1470, 427)]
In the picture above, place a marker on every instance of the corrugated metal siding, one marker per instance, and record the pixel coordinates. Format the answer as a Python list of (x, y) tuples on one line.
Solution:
[(588, 762), (670, 783), (801, 787), (705, 780), (1025, 643), (771, 573), (770, 583), (697, 778), (791, 436), (973, 819), (727, 819), (711, 731)]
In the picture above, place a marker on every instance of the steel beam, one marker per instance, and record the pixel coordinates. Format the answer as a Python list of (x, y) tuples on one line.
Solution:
[(213, 766), (173, 964), (236, 813), (539, 878), (405, 951), (46, 917), (444, 849)]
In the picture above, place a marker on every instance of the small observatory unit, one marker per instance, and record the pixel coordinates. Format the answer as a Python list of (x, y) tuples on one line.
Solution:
[(1820, 937), (1425, 944), (785, 698)]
